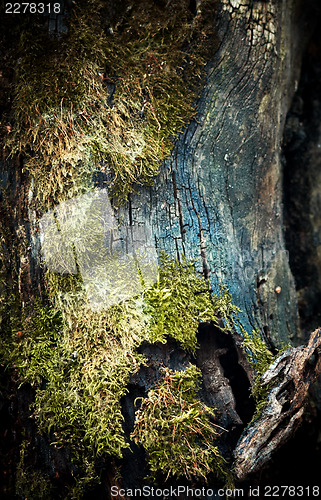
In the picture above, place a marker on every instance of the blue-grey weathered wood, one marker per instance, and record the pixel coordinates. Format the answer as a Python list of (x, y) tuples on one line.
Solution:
[(218, 199)]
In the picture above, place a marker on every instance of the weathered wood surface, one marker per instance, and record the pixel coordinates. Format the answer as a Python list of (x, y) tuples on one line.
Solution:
[(218, 200), (290, 376)]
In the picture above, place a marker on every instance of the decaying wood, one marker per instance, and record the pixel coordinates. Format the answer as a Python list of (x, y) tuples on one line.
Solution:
[(291, 376), (218, 201)]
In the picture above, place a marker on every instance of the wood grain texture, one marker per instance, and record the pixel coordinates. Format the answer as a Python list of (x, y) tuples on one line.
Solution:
[(290, 376), (218, 200)]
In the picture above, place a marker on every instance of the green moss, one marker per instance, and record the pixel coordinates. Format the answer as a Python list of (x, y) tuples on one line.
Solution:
[(80, 361), (89, 372), (177, 430), (65, 121), (180, 300), (30, 342), (31, 483)]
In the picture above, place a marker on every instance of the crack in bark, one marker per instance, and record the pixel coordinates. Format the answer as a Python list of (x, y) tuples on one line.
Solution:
[(180, 211), (205, 266)]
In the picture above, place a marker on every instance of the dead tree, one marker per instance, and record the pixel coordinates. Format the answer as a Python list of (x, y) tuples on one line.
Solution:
[(226, 200)]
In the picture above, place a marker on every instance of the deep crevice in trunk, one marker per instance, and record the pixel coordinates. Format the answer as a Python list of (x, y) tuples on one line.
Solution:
[(302, 179)]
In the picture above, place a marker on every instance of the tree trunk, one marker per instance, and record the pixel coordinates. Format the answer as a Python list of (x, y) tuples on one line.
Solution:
[(222, 200), (219, 199)]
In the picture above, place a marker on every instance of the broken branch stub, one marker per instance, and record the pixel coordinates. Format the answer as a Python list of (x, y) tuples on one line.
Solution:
[(290, 377)]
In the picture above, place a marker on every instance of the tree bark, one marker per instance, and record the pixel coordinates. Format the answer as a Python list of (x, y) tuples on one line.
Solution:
[(219, 198), (291, 376)]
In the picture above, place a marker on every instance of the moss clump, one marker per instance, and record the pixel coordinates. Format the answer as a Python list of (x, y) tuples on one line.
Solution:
[(110, 94), (176, 430), (87, 376), (31, 342), (180, 300), (80, 361), (260, 358)]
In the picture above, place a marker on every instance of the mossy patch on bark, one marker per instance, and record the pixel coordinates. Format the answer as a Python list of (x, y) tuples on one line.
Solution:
[(261, 358), (80, 361), (110, 94), (177, 430)]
